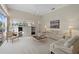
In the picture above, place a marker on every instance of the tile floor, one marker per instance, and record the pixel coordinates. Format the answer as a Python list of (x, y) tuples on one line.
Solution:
[(26, 45)]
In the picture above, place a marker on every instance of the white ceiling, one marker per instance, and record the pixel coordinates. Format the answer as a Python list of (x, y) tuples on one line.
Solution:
[(38, 9)]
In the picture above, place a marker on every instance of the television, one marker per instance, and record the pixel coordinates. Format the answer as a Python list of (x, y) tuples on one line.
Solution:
[(20, 29)]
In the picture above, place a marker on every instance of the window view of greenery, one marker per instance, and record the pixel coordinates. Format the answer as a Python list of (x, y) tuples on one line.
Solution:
[(3, 28), (1, 22)]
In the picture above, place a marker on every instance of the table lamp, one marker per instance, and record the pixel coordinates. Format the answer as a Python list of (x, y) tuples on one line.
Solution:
[(45, 28), (70, 30)]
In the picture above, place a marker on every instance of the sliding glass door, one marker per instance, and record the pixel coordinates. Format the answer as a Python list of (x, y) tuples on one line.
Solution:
[(3, 27)]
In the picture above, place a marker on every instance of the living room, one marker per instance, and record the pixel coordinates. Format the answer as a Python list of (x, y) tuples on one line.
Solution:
[(41, 26)]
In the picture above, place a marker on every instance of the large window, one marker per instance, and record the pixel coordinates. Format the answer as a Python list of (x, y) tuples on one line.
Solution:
[(3, 26)]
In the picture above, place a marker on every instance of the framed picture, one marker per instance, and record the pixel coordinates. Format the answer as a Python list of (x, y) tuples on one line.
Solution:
[(55, 24)]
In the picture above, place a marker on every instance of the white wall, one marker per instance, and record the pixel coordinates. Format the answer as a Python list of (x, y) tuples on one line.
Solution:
[(20, 16), (68, 15)]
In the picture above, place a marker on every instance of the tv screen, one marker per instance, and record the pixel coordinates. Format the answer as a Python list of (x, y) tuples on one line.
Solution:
[(20, 29)]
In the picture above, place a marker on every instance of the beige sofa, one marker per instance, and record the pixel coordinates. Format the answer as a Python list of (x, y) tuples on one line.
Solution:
[(65, 46), (54, 34), (59, 48)]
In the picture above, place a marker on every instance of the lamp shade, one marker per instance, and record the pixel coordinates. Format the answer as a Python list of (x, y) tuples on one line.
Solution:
[(71, 27), (45, 27)]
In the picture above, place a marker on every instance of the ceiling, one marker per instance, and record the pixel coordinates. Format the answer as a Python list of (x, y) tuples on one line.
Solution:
[(38, 9)]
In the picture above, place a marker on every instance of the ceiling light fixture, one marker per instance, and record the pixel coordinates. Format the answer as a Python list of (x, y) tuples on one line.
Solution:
[(52, 8)]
